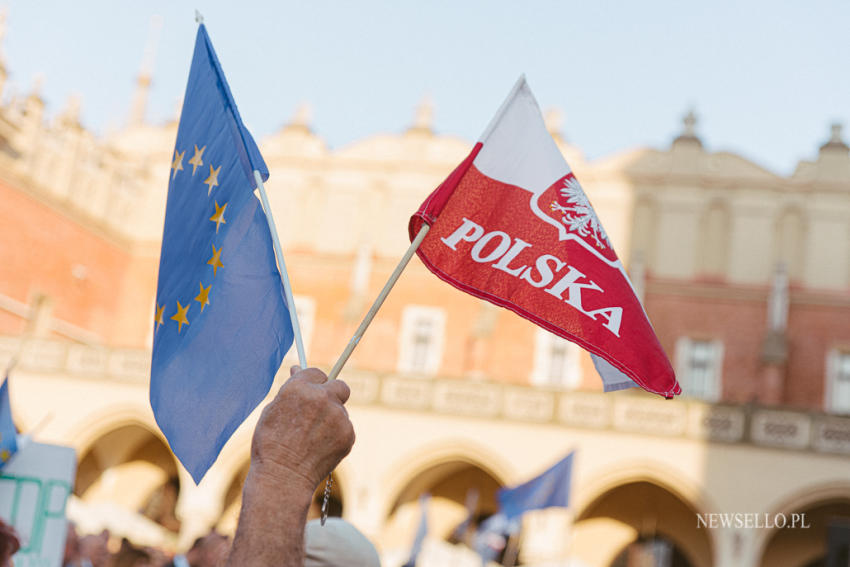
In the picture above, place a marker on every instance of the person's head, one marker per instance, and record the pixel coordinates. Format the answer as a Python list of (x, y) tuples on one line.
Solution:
[(72, 545), (9, 544), (337, 544), (94, 548), (209, 550), (131, 556)]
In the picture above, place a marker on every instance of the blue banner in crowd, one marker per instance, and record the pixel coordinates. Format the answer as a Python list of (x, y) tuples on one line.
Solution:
[(8, 433), (221, 326), (550, 489)]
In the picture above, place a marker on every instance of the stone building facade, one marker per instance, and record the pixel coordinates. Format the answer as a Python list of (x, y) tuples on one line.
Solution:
[(745, 275)]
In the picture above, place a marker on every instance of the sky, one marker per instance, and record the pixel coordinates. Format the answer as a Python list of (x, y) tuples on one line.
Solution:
[(765, 78)]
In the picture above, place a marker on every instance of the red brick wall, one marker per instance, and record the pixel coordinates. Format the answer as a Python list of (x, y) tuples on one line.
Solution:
[(41, 247), (738, 322), (813, 331), (738, 316)]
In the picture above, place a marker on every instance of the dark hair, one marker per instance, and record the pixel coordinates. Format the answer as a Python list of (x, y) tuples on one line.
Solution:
[(129, 555), (9, 542)]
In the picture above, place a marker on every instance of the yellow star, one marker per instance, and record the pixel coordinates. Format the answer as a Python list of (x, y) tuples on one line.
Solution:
[(204, 296), (158, 317), (215, 261), (177, 164), (218, 217), (180, 316), (196, 161), (212, 180), (4, 456)]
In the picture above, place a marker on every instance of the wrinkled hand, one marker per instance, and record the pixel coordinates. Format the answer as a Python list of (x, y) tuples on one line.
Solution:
[(304, 432)]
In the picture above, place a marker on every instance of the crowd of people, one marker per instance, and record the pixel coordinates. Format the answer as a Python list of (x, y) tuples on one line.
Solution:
[(97, 551), (299, 439)]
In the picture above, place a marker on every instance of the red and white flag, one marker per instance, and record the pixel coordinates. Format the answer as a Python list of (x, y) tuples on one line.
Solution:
[(512, 225)]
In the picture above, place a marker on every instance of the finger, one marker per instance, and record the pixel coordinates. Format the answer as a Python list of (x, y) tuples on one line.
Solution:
[(339, 389), (313, 375), (294, 369)]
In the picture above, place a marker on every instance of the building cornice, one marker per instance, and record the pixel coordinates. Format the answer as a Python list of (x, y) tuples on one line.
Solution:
[(624, 413)]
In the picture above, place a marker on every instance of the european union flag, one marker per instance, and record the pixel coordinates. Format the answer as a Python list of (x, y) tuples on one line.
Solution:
[(550, 489), (222, 325), (8, 433)]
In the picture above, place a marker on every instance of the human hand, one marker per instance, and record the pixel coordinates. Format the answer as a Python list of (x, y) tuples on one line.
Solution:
[(299, 439), (304, 432)]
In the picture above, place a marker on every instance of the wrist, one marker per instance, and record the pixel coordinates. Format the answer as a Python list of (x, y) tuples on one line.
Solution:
[(271, 524), (273, 482)]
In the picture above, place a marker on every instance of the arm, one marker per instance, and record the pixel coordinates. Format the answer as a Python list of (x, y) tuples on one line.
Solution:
[(300, 437)]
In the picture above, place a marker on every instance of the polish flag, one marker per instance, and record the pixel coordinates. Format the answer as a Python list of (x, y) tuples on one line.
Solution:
[(512, 225)]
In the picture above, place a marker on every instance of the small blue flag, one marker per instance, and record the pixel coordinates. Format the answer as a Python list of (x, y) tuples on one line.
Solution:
[(8, 433), (550, 489), (221, 326), (421, 531), (493, 535), (460, 531)]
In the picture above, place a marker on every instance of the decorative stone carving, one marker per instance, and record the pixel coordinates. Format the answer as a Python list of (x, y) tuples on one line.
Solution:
[(411, 394), (716, 423), (528, 405), (780, 429), (654, 417), (584, 410), (467, 398), (832, 435)]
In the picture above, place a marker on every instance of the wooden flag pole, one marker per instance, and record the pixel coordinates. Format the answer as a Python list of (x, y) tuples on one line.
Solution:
[(287, 287), (343, 358)]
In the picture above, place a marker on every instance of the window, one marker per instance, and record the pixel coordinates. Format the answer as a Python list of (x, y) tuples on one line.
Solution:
[(699, 364), (838, 381), (421, 346), (556, 361)]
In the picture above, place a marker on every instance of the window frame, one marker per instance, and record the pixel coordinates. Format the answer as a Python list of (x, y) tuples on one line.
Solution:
[(541, 374), (684, 354), (412, 315), (834, 361)]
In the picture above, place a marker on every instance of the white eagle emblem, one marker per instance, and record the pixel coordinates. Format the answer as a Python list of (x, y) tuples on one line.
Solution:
[(578, 215)]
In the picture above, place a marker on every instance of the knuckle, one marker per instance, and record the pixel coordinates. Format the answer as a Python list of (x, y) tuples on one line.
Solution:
[(346, 390)]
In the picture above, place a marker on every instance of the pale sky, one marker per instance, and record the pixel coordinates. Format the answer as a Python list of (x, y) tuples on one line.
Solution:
[(765, 78)]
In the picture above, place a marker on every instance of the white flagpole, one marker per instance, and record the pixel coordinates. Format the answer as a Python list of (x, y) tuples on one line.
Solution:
[(287, 287), (343, 358)]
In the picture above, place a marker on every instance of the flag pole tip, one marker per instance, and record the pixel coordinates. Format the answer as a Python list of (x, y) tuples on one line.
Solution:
[(199, 18)]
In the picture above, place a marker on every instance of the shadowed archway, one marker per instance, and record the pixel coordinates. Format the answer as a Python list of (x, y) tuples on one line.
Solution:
[(642, 521)]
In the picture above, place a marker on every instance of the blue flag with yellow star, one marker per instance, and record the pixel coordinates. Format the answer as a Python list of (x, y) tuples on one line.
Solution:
[(221, 326), (8, 433)]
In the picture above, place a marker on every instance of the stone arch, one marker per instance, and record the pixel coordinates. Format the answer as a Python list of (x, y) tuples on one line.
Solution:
[(714, 230), (798, 547), (414, 464), (648, 471), (447, 472), (126, 466), (639, 506), (96, 424)]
